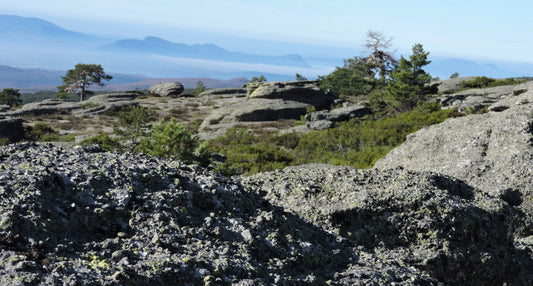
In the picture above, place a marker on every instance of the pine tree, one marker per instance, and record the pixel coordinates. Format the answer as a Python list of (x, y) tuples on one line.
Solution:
[(409, 83)]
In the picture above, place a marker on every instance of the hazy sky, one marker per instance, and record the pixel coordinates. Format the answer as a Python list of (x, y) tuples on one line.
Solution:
[(495, 30)]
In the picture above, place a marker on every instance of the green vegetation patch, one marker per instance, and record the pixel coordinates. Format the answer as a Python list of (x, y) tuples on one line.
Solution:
[(484, 82), (359, 142)]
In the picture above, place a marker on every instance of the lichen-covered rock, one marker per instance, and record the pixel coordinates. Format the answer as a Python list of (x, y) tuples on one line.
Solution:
[(172, 89), (250, 111), (97, 104), (325, 119), (473, 100), (435, 223), (492, 151), (84, 217), (300, 91), (47, 106)]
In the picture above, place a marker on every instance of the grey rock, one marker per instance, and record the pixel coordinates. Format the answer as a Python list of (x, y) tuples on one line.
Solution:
[(476, 99), (94, 105), (4, 107), (451, 85), (47, 106), (171, 89), (320, 124), (106, 102), (251, 111), (420, 219), (300, 91), (224, 92), (325, 119), (491, 151), (130, 219), (266, 102)]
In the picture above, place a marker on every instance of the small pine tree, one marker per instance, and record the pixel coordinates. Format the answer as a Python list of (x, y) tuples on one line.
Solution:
[(133, 124), (262, 78), (300, 77), (200, 87)]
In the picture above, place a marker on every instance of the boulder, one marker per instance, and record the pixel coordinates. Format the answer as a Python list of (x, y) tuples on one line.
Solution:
[(325, 119), (170, 89), (300, 91)]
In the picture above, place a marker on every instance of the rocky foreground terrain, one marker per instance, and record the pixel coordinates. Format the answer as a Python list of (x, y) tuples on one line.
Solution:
[(451, 206)]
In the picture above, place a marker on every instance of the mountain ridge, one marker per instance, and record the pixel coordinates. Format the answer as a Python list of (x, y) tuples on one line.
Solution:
[(61, 49)]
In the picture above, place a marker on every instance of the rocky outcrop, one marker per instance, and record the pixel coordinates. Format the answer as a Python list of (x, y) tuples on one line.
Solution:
[(473, 100), (491, 151), (428, 221), (225, 92), (266, 102), (84, 217), (11, 128), (325, 119), (451, 85), (299, 91), (167, 89), (94, 105), (47, 106), (99, 104)]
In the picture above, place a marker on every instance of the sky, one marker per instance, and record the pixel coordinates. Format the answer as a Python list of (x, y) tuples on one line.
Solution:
[(492, 30)]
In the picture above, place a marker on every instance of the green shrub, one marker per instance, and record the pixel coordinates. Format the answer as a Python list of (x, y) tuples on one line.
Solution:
[(484, 82), (10, 97), (172, 140), (247, 153), (4, 141), (41, 131), (104, 140)]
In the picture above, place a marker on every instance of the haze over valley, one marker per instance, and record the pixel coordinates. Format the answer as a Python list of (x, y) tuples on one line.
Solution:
[(36, 52)]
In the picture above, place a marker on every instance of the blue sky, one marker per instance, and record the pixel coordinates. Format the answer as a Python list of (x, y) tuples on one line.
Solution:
[(492, 30)]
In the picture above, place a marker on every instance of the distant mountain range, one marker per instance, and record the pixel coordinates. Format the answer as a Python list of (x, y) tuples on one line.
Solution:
[(43, 52), (154, 45), (30, 80), (33, 42)]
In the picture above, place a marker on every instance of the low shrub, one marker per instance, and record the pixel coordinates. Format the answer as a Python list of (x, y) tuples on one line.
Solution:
[(104, 140), (484, 82), (359, 142)]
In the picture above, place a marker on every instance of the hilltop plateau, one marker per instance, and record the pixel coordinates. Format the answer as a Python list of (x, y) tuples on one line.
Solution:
[(449, 206)]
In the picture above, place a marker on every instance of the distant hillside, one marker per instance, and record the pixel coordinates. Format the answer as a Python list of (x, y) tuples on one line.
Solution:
[(28, 80), (190, 82), (158, 46), (26, 29)]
